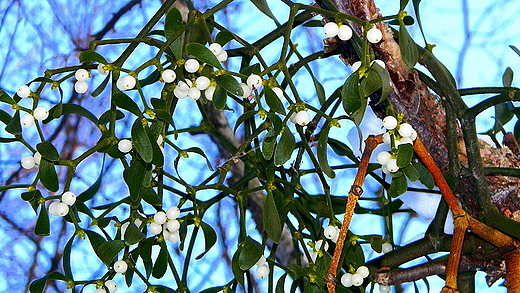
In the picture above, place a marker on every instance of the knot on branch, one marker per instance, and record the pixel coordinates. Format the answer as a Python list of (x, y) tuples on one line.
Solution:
[(356, 190)]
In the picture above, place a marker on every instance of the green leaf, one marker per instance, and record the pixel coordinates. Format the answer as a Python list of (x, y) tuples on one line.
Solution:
[(109, 250), (350, 94), (404, 154), (273, 101), (403, 4), (235, 267), (95, 239), (376, 242), (133, 235), (134, 177), (105, 117), (507, 77), (284, 148), (161, 263), (214, 290), (322, 152), (67, 268), (48, 176), (230, 84), (280, 284), (203, 54), (93, 189), (407, 20), (91, 56), (384, 79), (210, 238), (63, 109), (14, 126), (271, 219), (172, 24), (141, 141), (268, 148), (411, 172), (219, 98), (243, 118), (341, 149), (264, 8), (425, 176), (224, 37), (124, 102), (201, 153), (145, 249), (407, 46), (164, 289), (4, 97), (37, 286), (101, 87), (398, 186), (515, 49), (48, 151), (43, 227), (4, 117), (151, 197), (371, 83), (250, 253)]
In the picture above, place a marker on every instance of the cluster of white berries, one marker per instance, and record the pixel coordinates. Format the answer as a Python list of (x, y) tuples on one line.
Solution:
[(262, 270), (167, 224), (81, 85), (61, 208), (356, 65), (110, 285), (355, 279), (188, 89), (28, 162), (301, 118), (39, 113), (404, 134), (343, 31)]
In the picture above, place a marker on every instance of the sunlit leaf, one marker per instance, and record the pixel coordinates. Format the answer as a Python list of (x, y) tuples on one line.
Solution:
[(350, 94), (404, 154), (42, 227), (284, 148), (271, 219), (230, 84), (322, 152), (273, 101), (203, 54), (210, 238), (141, 141), (411, 172), (91, 56), (173, 23), (48, 176)]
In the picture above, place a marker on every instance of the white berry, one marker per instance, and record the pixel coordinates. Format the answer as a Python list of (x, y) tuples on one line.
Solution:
[(330, 232), (41, 113), (173, 213), (355, 66), (191, 65), (174, 237), (330, 29), (254, 81), (173, 225), (155, 228), (124, 145), (81, 74), (23, 91), (319, 245), (246, 90), (208, 93), (168, 75), (123, 228), (68, 198), (111, 285), (101, 69), (413, 136), (223, 56), (261, 261), (384, 289), (126, 83), (81, 87), (202, 82), (194, 93), (387, 247), (61, 209), (405, 140), (120, 266), (216, 48), (262, 272), (100, 290), (378, 62), (279, 93), (344, 33), (357, 279), (383, 157), (27, 120), (28, 162), (363, 271), (37, 158), (386, 138), (390, 122), (374, 35), (302, 118), (159, 217), (179, 93), (405, 130), (391, 165), (346, 280)]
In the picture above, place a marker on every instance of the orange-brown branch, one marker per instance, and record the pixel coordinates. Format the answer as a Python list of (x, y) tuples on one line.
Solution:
[(355, 192)]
